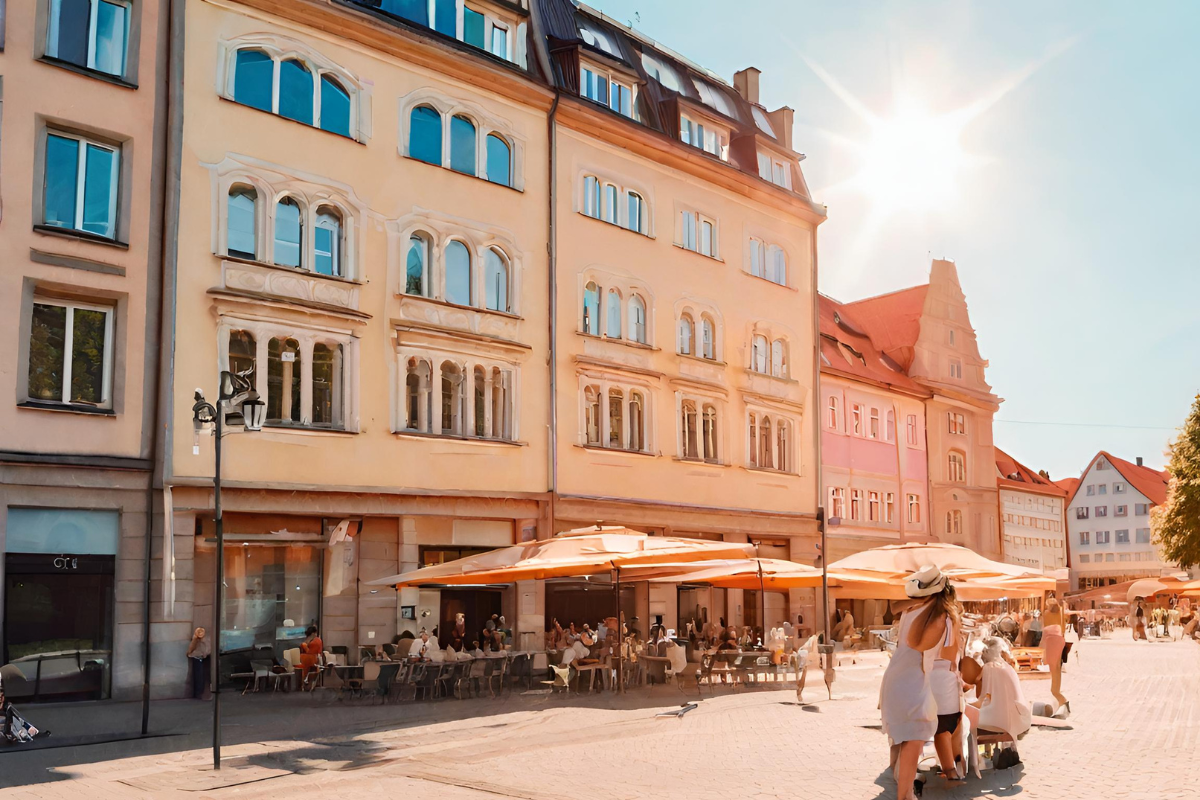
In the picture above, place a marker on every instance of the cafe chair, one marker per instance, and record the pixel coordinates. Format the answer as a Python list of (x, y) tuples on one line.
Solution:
[(561, 680), (499, 673), (521, 669)]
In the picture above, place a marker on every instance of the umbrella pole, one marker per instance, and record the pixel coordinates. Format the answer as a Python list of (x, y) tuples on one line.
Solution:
[(620, 637), (827, 647), (762, 602)]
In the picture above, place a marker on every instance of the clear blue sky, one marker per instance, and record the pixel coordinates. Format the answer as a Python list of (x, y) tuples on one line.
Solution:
[(1073, 218)]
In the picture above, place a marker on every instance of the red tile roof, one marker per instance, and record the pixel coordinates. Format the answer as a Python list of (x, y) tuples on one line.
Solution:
[(1015, 475), (841, 327), (1150, 482), (1069, 485), (893, 320)]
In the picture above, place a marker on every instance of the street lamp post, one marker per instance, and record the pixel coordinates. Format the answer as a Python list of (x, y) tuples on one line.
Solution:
[(234, 392)]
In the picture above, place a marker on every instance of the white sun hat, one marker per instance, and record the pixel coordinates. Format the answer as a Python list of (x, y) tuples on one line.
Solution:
[(926, 581)]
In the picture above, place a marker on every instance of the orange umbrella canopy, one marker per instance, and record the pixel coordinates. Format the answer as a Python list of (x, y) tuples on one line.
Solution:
[(901, 560), (776, 574), (586, 551)]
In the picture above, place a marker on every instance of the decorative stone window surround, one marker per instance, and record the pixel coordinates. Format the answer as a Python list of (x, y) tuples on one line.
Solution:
[(484, 121), (282, 48), (698, 309), (627, 285), (603, 382), (625, 185), (701, 401), (434, 360)]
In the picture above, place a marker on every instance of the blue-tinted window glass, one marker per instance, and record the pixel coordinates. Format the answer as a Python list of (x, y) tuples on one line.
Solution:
[(296, 92), (287, 233), (496, 281), (335, 107), (462, 145), (415, 10), (69, 22), (62, 531), (62, 172), (499, 161), (445, 17), (98, 194), (254, 76), (111, 27), (425, 135), (241, 235), (473, 28), (418, 254), (458, 274)]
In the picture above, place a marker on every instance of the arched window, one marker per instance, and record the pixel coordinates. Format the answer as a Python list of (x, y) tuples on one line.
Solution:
[(710, 433), (327, 243), (779, 358), (289, 232), (759, 354), (757, 256), (458, 273), (254, 79), (637, 422), (616, 418), (782, 448), (480, 400), (708, 336), (452, 400), (689, 433), (611, 203), (242, 223), (956, 467), (777, 265), (591, 196), (327, 385), (295, 91), (462, 145), (283, 381), (636, 210), (613, 326), (591, 399), (954, 523), (764, 442), (753, 440), (416, 274), (499, 160), (891, 426), (591, 309), (637, 319), (335, 106), (834, 418), (416, 396), (425, 135), (687, 329), (243, 355), (495, 268)]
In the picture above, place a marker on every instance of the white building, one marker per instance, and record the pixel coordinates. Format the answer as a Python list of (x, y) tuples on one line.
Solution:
[(1033, 528), (1108, 518)]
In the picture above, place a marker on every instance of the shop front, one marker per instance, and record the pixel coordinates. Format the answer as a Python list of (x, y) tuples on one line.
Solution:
[(59, 577)]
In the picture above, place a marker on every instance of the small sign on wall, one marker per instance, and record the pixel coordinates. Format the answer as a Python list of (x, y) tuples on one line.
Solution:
[(408, 612)]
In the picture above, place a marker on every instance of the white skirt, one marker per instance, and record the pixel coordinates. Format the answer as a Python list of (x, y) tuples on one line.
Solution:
[(946, 687)]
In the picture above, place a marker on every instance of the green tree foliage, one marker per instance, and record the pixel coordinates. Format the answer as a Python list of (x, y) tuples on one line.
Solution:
[(1176, 523)]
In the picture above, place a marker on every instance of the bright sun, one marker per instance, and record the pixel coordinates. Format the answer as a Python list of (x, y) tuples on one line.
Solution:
[(912, 161)]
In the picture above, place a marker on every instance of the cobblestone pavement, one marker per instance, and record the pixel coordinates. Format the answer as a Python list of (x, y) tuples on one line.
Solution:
[(1133, 734)]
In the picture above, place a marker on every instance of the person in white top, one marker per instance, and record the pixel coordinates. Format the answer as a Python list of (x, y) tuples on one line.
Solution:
[(1003, 706), (946, 685)]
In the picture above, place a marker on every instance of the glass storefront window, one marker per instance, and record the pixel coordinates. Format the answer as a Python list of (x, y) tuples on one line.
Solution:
[(272, 594)]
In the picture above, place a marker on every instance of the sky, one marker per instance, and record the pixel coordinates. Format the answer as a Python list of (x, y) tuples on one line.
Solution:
[(1049, 149)]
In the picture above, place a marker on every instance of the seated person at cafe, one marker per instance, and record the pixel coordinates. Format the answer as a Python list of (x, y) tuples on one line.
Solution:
[(476, 651), (677, 656), (1002, 704), (730, 640), (844, 627), (310, 651), (458, 633), (577, 651)]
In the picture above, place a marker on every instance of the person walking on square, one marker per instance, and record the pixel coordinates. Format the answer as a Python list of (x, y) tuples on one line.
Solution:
[(1053, 645), (906, 702), (198, 653)]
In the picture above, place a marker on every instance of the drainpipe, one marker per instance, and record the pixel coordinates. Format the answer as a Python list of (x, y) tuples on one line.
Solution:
[(543, 59), (814, 413)]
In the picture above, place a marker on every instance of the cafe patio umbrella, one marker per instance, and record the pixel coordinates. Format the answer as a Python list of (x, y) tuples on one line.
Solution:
[(770, 574), (586, 551), (901, 560), (852, 586)]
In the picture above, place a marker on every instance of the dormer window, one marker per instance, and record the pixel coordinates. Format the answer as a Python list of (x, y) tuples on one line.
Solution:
[(601, 87), (775, 170), (707, 137)]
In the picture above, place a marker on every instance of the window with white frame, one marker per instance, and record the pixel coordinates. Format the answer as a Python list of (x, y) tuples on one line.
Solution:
[(93, 34), (770, 442), (873, 430), (1118, 487), (768, 261), (704, 135), (70, 351), (294, 87), (601, 86), (699, 234), (775, 170), (954, 525), (891, 426), (305, 383), (479, 25), (833, 418), (957, 422), (912, 430), (837, 502), (609, 202), (80, 188), (779, 359), (1081, 512), (708, 338), (855, 504), (455, 270), (614, 416), (856, 419), (914, 509), (1101, 511), (1142, 536), (1123, 536), (1091, 490), (463, 141), (637, 319), (760, 354), (460, 400), (1141, 509), (873, 506), (1121, 511), (686, 335), (1085, 537), (1102, 488), (618, 313), (956, 467), (1103, 537)]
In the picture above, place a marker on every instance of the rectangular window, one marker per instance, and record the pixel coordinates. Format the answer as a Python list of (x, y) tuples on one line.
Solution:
[(889, 507), (873, 506), (874, 423), (857, 420), (473, 25), (80, 186), (1120, 511), (1091, 491), (912, 429), (1101, 511), (593, 86), (688, 233), (1102, 488), (70, 354), (957, 423), (855, 504), (837, 502), (89, 33), (1085, 537), (1118, 488), (1142, 535), (707, 139), (1122, 537), (914, 508), (1085, 558), (707, 238), (1081, 512), (499, 46), (956, 369), (1141, 509)]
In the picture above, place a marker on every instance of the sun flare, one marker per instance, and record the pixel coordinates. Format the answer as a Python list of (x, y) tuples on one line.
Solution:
[(912, 161)]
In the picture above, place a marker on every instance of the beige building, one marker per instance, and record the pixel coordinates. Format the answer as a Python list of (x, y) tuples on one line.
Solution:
[(82, 195), (926, 329), (1032, 517)]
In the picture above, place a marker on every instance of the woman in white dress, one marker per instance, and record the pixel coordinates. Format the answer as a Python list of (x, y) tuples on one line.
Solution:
[(947, 687), (906, 702)]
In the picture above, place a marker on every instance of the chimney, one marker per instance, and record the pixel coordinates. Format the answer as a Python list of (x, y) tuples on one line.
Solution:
[(781, 121), (746, 83), (1139, 461)]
